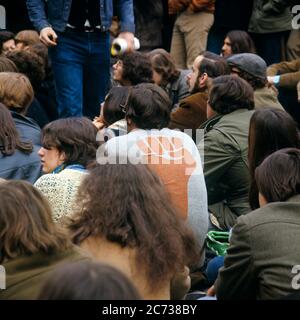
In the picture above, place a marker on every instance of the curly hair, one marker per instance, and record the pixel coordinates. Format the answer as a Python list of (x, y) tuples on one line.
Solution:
[(136, 68), (76, 137), (229, 93), (128, 204)]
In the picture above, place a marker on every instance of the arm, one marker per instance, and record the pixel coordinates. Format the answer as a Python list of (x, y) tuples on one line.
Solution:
[(124, 10), (236, 279), (37, 14), (198, 5), (277, 6)]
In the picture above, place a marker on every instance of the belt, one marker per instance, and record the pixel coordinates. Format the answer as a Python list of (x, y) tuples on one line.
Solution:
[(99, 29)]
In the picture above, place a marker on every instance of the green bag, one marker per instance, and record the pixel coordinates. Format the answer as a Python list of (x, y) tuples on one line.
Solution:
[(218, 242)]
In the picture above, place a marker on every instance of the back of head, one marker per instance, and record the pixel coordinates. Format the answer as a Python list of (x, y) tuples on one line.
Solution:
[(87, 280), (148, 106), (134, 211), (6, 65), (137, 68), (230, 93), (9, 136), (278, 176), (27, 37), (164, 64), (113, 108), (76, 137), (26, 220), (16, 92), (241, 42), (29, 64)]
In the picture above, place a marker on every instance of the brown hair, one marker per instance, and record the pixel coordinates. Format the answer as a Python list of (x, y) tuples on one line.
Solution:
[(128, 204), (164, 64), (16, 92), (270, 130), (6, 65), (76, 137), (278, 177), (26, 225), (9, 136), (27, 37)]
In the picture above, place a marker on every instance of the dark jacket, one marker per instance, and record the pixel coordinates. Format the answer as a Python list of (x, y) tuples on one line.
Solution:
[(226, 169), (21, 166), (58, 12), (270, 16), (25, 274), (28, 129), (264, 248)]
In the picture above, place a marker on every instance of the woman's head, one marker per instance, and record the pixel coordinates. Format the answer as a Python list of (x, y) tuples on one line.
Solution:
[(26, 225), (113, 105), (128, 205), (163, 65), (270, 130), (7, 42), (230, 93), (26, 38), (133, 68), (278, 176), (16, 92), (88, 280), (237, 41), (68, 141), (9, 136)]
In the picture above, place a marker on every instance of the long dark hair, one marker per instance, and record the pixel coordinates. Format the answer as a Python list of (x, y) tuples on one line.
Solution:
[(241, 42), (270, 130), (9, 136), (134, 211)]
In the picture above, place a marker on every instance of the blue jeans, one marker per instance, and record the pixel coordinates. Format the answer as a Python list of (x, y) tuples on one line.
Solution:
[(81, 67)]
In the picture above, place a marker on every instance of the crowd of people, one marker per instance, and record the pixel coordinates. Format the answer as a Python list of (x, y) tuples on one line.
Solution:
[(122, 177)]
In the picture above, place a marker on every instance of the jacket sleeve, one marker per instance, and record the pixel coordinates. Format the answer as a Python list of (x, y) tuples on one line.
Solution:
[(277, 6), (124, 10), (289, 73), (198, 5), (236, 279), (176, 6), (37, 14)]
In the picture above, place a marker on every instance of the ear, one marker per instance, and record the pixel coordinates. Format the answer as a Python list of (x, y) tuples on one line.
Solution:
[(62, 156), (203, 80)]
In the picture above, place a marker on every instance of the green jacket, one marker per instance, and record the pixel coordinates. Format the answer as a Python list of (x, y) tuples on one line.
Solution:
[(25, 275), (264, 248), (226, 169), (270, 16)]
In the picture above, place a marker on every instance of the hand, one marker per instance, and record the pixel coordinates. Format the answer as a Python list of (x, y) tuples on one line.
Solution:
[(211, 292), (129, 37), (48, 37), (99, 123)]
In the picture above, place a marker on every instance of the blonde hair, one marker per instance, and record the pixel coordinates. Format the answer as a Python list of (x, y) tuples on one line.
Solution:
[(16, 91)]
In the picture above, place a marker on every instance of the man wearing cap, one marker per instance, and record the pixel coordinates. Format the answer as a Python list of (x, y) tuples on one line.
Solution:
[(77, 34), (253, 69)]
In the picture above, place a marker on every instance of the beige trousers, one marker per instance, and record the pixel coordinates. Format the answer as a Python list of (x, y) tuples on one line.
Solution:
[(190, 37)]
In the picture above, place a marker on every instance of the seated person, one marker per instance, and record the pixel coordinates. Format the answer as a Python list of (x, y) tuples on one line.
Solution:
[(226, 171), (7, 42), (264, 245), (166, 75), (126, 219), (68, 147), (171, 154), (31, 245), (25, 38), (253, 69)]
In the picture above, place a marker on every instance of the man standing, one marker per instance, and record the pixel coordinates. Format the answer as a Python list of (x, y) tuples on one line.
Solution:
[(77, 34)]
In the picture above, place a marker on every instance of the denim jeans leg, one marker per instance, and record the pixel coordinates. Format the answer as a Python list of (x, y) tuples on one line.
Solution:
[(96, 73), (67, 63)]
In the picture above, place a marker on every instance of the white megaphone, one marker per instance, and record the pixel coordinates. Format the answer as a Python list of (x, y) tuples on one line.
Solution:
[(119, 46)]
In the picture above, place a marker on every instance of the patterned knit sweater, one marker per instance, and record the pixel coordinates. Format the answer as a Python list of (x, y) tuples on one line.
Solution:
[(61, 189)]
